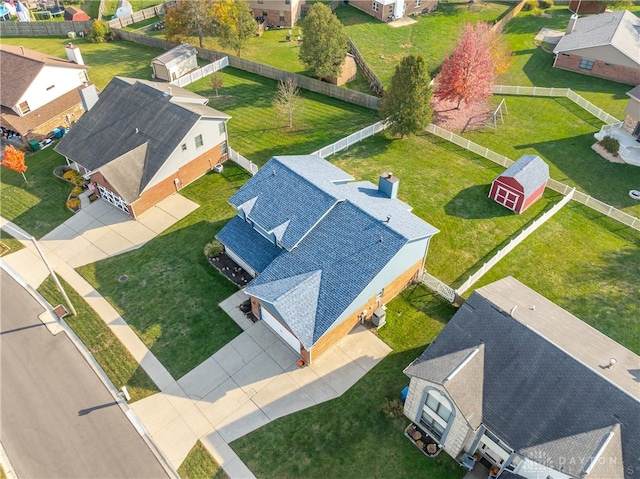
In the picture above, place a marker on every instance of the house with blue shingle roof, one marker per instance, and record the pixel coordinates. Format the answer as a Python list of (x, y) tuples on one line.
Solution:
[(521, 184), (325, 252)]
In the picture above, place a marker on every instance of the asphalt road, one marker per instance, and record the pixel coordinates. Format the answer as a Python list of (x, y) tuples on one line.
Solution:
[(57, 418)]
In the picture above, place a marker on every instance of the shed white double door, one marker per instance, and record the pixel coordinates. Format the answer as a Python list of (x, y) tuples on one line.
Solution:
[(506, 198), (279, 329)]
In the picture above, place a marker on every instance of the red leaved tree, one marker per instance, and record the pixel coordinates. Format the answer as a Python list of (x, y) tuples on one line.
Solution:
[(468, 74), (14, 160)]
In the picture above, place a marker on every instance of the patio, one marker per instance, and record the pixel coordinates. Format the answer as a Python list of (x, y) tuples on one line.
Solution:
[(629, 150)]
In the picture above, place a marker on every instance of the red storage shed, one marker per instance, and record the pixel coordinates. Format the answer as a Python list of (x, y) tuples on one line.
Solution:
[(521, 184), (75, 14)]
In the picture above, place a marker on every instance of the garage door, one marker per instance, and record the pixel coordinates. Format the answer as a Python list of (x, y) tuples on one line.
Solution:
[(115, 200), (280, 330), (239, 261)]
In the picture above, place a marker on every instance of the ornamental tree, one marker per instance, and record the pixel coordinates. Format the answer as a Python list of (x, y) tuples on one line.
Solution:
[(287, 100), (325, 43), (406, 104), (468, 74), (216, 81), (14, 160), (189, 17), (235, 24)]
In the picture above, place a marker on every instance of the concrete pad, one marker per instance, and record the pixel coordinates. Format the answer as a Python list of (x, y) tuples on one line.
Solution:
[(90, 254), (223, 401), (203, 379), (230, 359), (313, 385), (240, 318), (110, 215), (66, 249), (134, 231), (177, 206), (28, 264), (401, 22), (62, 232), (246, 346), (258, 373), (113, 243), (338, 370), (282, 354), (262, 334), (226, 457), (548, 35), (156, 220), (176, 440), (155, 412), (245, 419), (196, 421), (95, 230), (99, 208), (281, 397), (364, 347), (177, 397), (79, 221)]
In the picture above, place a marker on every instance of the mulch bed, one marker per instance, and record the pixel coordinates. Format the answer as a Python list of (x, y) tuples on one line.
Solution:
[(468, 117), (230, 270)]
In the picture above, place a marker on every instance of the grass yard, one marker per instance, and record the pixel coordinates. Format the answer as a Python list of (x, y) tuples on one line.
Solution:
[(258, 134), (200, 465), (447, 187), (351, 436), (8, 244), (433, 36), (105, 60), (37, 206), (171, 297), (532, 66), (110, 6), (109, 352), (587, 264), (561, 133)]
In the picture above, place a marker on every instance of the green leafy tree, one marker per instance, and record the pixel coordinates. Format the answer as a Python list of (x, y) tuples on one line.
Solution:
[(189, 17), (97, 32), (406, 104), (325, 44), (235, 24)]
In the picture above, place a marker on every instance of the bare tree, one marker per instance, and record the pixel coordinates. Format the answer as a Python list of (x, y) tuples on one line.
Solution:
[(216, 81), (287, 100)]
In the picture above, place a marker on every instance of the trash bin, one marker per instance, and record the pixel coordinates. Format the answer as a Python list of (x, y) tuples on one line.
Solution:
[(404, 393), (35, 146), (57, 132)]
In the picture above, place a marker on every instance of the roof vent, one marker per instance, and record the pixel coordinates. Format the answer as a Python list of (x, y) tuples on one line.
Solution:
[(137, 130), (170, 91), (513, 310), (388, 218), (612, 363), (388, 185)]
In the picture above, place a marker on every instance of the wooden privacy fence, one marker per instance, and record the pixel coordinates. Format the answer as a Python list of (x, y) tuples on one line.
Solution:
[(513, 243), (201, 72), (352, 139), (556, 92), (43, 29), (374, 82), (311, 84)]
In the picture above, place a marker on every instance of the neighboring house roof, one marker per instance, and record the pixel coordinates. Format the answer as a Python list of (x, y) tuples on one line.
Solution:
[(137, 123), (170, 57), (530, 171), (635, 93), (20, 66), (338, 237), (546, 392), (619, 29)]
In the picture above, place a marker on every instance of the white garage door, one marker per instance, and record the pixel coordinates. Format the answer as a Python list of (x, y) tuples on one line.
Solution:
[(280, 330), (115, 200)]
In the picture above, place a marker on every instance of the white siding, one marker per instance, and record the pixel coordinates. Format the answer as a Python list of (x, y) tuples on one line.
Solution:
[(62, 79)]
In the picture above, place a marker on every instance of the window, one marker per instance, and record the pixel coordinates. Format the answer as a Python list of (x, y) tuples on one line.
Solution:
[(222, 127), (51, 87), (24, 107), (282, 16), (436, 414), (375, 6), (223, 148), (287, 2), (566, 55), (260, 2), (198, 141), (418, 4), (586, 64), (184, 147)]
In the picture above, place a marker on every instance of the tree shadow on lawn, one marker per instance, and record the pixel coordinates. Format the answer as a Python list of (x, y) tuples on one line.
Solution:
[(463, 152), (473, 203)]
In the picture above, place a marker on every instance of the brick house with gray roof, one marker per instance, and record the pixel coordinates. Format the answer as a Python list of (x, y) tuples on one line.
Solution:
[(143, 141), (326, 252), (530, 389), (605, 46)]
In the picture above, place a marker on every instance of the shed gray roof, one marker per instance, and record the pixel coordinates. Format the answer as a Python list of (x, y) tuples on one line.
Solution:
[(634, 93), (530, 171), (130, 114), (541, 398), (170, 57), (619, 29)]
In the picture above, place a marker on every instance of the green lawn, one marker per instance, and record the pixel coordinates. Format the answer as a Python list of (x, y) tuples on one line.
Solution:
[(109, 352), (105, 60), (433, 36), (532, 66), (561, 133), (200, 465), (447, 187), (257, 133), (110, 7), (37, 206), (171, 297), (350, 436), (8, 244)]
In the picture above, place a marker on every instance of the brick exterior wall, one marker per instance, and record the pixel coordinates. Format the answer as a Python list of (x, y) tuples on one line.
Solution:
[(426, 6), (630, 123), (385, 12), (618, 73), (272, 16)]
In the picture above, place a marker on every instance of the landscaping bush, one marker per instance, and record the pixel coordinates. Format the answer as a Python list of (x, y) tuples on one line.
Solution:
[(610, 144), (392, 408), (100, 32), (75, 192), (531, 5), (213, 249), (74, 177), (544, 4), (73, 203)]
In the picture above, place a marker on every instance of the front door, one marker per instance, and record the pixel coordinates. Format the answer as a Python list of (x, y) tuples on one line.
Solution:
[(506, 198), (636, 130)]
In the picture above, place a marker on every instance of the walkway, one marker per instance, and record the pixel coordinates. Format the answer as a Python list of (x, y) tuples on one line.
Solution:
[(251, 381)]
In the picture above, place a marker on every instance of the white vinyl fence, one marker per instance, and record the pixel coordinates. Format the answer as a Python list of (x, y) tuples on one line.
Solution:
[(202, 72), (433, 283), (352, 139), (242, 161), (513, 243)]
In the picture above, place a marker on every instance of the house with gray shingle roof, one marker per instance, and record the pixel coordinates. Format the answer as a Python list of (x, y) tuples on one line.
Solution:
[(143, 141), (528, 389), (606, 46), (39, 92), (325, 251), (521, 184)]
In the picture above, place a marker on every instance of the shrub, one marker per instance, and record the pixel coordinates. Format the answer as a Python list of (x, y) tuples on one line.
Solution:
[(70, 175), (213, 249), (75, 192), (392, 408), (530, 5), (73, 203), (100, 32), (544, 4), (610, 144)]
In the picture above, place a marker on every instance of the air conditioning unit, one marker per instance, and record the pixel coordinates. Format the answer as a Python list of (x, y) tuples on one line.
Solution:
[(379, 317)]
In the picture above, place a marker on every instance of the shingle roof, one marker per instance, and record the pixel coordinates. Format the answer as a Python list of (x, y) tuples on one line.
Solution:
[(131, 113), (19, 66), (634, 93), (530, 171), (619, 29), (539, 398), (250, 245), (176, 53)]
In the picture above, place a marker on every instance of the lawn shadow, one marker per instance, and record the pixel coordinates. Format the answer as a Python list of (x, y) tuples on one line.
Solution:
[(473, 203)]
